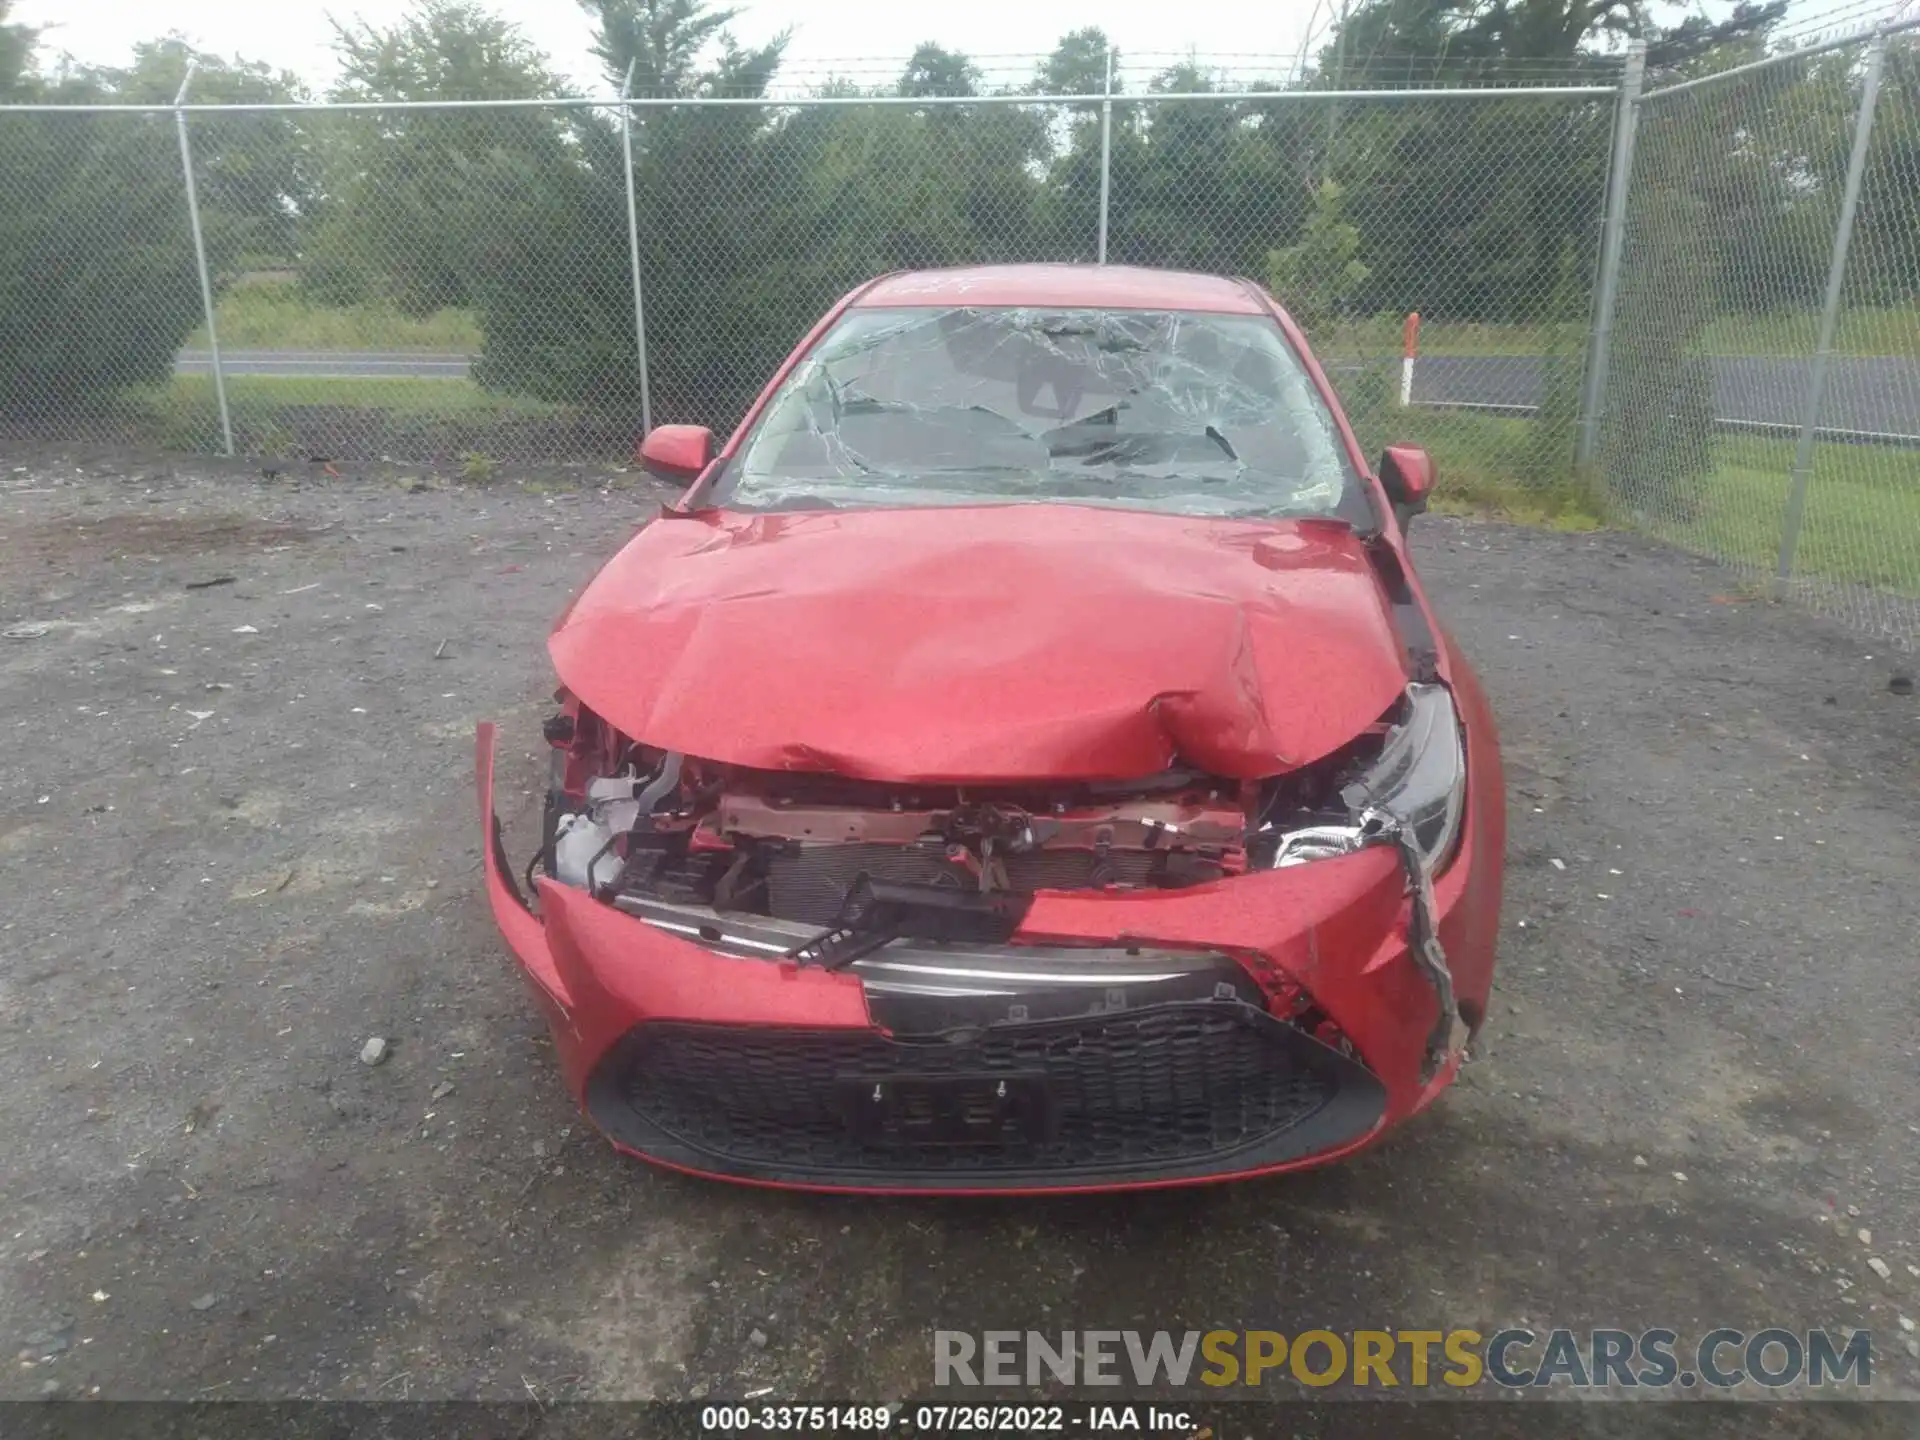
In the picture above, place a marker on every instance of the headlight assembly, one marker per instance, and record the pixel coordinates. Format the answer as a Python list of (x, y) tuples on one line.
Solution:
[(1419, 779), (1421, 775)]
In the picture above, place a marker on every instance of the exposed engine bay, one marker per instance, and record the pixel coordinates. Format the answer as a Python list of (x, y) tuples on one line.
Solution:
[(625, 819), (831, 871)]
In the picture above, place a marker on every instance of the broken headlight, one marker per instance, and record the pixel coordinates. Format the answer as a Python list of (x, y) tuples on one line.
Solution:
[(1419, 778)]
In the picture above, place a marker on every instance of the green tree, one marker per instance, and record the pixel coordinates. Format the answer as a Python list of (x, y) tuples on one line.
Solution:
[(1078, 65), (1070, 202), (256, 172), (1203, 184), (663, 40), (550, 278), (16, 54), (1885, 269), (1399, 42), (750, 222), (401, 184), (1467, 211), (933, 70), (1317, 278), (1658, 419), (97, 279)]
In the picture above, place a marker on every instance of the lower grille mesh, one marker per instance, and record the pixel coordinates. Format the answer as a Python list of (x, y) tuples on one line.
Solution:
[(1138, 1092)]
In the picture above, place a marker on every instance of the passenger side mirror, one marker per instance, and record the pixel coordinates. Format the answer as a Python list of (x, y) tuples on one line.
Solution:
[(1407, 475), (676, 452)]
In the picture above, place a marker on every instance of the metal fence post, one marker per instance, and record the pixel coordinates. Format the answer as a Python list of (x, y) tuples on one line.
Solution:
[(1816, 391), (1106, 153), (200, 258), (1626, 120), (633, 251)]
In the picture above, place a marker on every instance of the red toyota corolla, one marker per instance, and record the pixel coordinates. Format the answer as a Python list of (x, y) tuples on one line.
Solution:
[(1023, 760)]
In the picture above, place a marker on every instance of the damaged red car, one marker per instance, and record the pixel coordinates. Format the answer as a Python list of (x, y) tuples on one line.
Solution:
[(1023, 759)]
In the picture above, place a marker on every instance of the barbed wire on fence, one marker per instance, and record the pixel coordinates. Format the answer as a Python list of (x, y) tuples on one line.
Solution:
[(1817, 22)]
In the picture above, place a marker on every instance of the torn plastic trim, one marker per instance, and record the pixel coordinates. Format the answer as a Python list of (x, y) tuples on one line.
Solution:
[(1447, 1040), (497, 841), (1413, 797), (875, 913), (1423, 650), (1378, 826)]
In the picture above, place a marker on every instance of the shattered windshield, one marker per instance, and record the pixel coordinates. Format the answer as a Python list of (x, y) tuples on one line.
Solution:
[(1192, 414)]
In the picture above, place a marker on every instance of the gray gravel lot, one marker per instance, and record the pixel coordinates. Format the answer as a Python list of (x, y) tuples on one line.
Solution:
[(238, 838)]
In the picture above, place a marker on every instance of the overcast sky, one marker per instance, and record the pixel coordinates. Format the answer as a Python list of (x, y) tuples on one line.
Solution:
[(294, 34)]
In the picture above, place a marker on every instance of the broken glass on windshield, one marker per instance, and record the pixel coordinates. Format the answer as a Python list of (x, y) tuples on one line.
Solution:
[(1195, 414)]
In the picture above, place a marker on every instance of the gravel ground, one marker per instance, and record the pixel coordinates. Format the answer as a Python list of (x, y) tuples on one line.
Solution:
[(238, 839)]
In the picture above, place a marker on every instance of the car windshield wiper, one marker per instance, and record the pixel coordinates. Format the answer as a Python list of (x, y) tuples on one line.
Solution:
[(1095, 449), (806, 502), (1146, 449), (986, 469), (870, 405)]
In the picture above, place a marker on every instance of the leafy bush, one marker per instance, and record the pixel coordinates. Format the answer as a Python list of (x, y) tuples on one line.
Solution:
[(280, 314), (98, 286), (97, 282), (1317, 278)]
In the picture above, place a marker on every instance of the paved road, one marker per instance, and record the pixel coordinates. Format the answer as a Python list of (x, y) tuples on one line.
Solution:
[(332, 364), (1874, 395)]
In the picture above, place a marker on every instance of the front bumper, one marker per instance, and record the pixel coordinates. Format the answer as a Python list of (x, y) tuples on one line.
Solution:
[(764, 1071)]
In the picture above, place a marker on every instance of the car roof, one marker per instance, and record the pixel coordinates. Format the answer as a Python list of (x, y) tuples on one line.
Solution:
[(1113, 287)]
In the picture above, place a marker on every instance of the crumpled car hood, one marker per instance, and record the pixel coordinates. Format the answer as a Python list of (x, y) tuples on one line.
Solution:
[(994, 643)]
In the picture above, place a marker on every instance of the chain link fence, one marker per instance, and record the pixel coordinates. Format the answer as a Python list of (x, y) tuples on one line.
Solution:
[(507, 282), (459, 283), (1762, 399), (98, 283)]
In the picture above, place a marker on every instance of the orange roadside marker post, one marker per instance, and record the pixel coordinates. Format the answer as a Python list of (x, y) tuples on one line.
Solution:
[(1409, 350)]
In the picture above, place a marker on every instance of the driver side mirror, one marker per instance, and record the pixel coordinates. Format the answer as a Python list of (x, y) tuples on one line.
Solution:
[(676, 452), (1407, 475)]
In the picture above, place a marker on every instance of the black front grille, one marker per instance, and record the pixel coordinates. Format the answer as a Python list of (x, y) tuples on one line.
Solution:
[(809, 882), (1184, 1089)]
